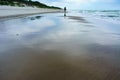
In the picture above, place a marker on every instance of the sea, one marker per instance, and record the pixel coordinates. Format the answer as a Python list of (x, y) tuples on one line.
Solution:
[(109, 15)]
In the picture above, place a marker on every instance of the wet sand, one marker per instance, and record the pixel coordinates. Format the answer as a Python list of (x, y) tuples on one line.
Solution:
[(50, 47)]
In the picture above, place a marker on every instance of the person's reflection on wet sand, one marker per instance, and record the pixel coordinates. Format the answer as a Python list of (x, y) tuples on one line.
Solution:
[(64, 14)]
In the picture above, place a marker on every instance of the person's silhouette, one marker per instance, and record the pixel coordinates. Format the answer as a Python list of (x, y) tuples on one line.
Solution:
[(65, 11)]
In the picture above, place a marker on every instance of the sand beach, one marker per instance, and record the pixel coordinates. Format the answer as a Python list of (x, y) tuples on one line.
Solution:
[(11, 11)]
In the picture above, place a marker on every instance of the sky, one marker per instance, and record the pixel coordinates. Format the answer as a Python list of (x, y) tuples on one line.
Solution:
[(84, 4)]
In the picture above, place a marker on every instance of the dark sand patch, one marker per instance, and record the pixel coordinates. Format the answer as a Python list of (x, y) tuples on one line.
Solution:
[(84, 31), (80, 19), (114, 34), (91, 26)]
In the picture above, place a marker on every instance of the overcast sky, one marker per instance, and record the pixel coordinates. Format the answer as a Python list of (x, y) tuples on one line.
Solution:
[(84, 4)]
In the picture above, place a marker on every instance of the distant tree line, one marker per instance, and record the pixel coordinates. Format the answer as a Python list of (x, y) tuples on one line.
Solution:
[(23, 3)]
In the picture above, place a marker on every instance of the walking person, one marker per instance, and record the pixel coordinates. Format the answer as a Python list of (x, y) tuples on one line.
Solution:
[(65, 10)]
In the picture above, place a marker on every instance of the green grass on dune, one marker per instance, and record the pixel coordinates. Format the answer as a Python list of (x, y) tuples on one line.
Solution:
[(22, 3)]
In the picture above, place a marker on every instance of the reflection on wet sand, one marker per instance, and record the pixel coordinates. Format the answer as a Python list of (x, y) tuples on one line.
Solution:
[(36, 17), (33, 64), (52, 48)]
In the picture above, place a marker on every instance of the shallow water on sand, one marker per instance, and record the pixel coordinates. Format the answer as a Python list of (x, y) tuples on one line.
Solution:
[(54, 47)]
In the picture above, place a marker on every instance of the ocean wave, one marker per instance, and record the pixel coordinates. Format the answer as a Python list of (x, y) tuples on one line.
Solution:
[(103, 14)]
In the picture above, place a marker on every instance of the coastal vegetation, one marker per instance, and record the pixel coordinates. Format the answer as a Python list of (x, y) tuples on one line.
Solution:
[(23, 3)]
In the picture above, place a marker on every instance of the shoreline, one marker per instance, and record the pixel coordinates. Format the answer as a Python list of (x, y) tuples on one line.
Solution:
[(7, 12), (23, 15)]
